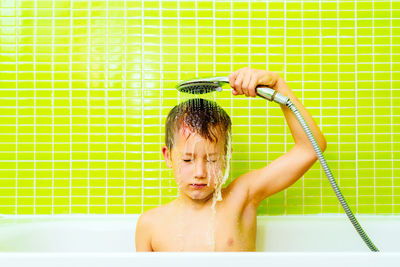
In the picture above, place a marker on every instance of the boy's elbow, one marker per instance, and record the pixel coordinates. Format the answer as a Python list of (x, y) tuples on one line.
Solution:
[(311, 154), (323, 145)]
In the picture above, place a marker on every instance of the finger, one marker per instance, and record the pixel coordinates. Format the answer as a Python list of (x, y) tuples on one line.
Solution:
[(252, 86), (246, 82), (239, 82), (234, 92), (232, 77)]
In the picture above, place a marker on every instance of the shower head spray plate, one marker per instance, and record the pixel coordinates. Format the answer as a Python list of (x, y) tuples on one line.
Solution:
[(202, 85)]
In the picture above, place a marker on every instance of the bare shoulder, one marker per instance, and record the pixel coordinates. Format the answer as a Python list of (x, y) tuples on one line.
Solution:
[(146, 219), (145, 227), (150, 218)]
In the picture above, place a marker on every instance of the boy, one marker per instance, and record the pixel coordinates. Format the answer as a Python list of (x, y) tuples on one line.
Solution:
[(197, 142)]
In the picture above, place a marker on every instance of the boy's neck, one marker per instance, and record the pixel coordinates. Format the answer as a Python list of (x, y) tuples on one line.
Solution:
[(194, 204)]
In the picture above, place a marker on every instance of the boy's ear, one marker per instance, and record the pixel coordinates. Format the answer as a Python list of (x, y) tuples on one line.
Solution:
[(167, 156)]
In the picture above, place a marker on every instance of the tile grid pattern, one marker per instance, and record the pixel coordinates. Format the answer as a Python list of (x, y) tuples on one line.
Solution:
[(77, 74)]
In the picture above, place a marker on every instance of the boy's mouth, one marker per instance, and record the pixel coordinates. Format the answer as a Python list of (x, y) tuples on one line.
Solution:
[(198, 186)]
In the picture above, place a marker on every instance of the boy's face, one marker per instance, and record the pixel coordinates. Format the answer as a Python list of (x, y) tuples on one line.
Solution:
[(196, 162)]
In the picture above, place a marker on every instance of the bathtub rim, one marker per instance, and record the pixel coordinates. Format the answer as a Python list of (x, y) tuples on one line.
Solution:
[(130, 220), (125, 216), (174, 259)]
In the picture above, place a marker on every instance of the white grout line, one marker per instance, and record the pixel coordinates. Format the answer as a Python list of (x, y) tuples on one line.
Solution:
[(356, 104), (267, 106), (70, 110), (88, 106), (373, 102), (391, 103), (338, 95), (197, 39), (321, 174), (179, 60), (231, 70), (160, 101), (17, 107), (291, 72), (52, 107), (124, 99), (34, 110), (179, 46), (142, 100), (249, 98), (214, 42), (284, 72), (106, 96)]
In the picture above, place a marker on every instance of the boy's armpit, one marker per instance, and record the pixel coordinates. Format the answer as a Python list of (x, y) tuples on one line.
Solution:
[(143, 233)]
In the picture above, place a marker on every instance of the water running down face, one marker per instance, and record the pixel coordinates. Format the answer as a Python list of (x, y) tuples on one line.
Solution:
[(197, 139), (197, 163)]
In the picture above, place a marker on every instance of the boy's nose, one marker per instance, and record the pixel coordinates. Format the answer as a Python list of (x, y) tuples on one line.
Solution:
[(200, 169)]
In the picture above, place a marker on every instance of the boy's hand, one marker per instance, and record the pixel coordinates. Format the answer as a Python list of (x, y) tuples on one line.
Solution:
[(245, 80)]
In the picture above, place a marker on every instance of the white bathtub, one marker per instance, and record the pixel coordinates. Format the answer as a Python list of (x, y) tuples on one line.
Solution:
[(93, 240)]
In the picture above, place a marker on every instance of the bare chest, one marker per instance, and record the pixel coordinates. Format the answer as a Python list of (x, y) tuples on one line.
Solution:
[(204, 232)]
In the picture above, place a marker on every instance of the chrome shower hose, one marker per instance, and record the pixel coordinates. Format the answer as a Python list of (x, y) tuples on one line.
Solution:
[(331, 179)]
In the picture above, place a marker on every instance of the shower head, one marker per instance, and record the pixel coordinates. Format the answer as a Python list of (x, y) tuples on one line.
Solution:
[(207, 85), (202, 85)]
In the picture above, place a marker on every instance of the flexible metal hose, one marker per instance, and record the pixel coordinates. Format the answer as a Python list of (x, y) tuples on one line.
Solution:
[(331, 179)]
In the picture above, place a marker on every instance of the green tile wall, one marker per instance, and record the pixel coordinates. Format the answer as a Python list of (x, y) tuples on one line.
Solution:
[(86, 85)]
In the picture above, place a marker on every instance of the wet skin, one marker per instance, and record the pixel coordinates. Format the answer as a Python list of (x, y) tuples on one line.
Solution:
[(186, 224)]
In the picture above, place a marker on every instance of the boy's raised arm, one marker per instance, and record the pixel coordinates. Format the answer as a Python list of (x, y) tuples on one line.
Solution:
[(287, 169)]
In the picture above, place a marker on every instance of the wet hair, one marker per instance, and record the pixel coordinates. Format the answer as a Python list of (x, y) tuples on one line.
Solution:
[(201, 116)]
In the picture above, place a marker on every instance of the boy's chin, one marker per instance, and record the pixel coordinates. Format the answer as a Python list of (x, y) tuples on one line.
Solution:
[(201, 195)]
